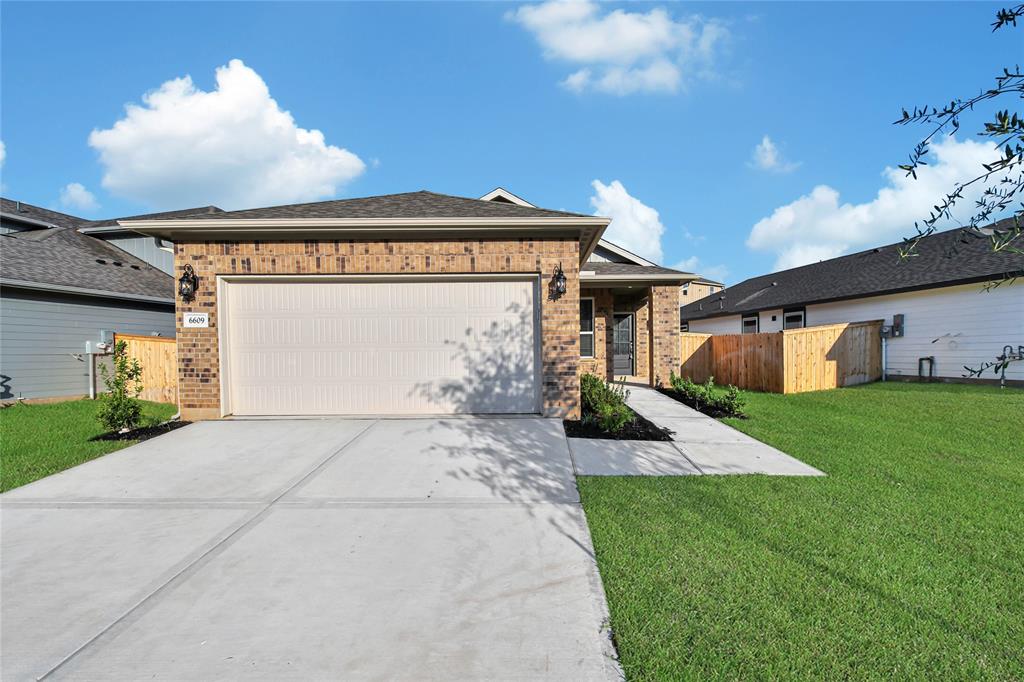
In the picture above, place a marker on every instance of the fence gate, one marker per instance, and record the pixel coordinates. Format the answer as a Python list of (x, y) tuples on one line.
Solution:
[(159, 359)]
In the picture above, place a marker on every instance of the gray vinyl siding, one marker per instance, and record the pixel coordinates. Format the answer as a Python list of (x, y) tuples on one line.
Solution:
[(40, 331), (143, 248)]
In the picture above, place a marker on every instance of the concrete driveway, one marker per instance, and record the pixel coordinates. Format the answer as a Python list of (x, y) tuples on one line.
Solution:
[(308, 549)]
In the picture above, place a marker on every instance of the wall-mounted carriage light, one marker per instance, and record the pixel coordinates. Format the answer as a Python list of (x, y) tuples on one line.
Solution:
[(558, 282), (188, 284)]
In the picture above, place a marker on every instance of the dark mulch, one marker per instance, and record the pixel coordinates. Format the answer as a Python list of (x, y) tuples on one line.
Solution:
[(702, 407), (145, 433), (638, 429)]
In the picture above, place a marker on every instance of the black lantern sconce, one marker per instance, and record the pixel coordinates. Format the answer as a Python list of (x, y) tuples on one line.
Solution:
[(188, 284), (558, 283)]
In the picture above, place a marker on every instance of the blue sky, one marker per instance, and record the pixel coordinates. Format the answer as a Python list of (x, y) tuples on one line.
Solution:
[(627, 108)]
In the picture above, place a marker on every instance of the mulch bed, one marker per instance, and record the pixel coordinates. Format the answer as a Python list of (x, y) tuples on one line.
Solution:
[(638, 429), (145, 433), (702, 408)]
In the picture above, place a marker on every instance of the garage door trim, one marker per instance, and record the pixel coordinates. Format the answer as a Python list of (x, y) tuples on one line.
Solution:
[(222, 282)]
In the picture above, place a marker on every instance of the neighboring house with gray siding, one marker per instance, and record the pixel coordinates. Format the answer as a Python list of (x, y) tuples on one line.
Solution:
[(62, 291)]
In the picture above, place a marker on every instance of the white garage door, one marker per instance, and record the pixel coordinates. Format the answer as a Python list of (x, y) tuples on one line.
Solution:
[(379, 347)]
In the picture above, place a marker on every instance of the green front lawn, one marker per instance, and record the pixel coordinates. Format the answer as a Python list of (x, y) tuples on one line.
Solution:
[(39, 440), (905, 562)]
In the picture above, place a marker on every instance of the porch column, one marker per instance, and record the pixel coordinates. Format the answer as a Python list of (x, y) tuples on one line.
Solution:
[(663, 327)]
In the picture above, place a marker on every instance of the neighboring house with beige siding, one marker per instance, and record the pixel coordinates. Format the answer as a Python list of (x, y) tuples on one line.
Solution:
[(698, 289), (949, 319)]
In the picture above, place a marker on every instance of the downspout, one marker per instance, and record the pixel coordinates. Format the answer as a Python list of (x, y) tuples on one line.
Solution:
[(884, 357), (92, 373)]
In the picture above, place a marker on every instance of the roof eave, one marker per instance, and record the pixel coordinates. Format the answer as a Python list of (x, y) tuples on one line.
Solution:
[(588, 229), (81, 291), (704, 315), (660, 278)]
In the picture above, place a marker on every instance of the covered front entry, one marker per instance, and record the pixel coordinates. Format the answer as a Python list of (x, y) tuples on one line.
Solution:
[(635, 332), (376, 345)]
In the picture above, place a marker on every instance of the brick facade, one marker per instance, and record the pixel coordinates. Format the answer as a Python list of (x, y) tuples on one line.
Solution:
[(198, 353), (664, 331)]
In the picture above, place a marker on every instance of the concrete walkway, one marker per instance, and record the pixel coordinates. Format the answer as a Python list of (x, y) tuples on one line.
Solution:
[(319, 549), (700, 445)]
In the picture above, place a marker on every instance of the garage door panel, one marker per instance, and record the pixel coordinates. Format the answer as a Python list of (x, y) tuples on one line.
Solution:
[(414, 347)]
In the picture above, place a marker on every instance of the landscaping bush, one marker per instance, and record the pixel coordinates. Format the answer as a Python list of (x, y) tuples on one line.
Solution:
[(120, 407), (707, 397), (604, 404)]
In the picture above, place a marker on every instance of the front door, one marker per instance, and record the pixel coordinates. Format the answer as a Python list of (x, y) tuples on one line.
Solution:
[(622, 345)]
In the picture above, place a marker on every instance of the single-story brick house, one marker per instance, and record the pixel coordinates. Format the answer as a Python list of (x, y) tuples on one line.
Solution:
[(414, 303)]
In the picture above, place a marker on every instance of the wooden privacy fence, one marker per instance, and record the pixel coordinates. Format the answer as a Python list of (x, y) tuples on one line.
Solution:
[(159, 359), (790, 361)]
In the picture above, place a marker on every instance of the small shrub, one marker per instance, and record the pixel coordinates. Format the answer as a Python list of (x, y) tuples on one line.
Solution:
[(604, 404), (120, 408), (707, 397)]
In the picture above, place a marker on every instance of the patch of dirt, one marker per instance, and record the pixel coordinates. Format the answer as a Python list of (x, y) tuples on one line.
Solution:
[(638, 429), (144, 433), (702, 408)]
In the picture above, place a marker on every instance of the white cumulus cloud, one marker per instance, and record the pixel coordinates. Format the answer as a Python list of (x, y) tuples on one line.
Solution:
[(74, 195), (622, 52), (233, 146), (817, 226), (694, 264), (768, 157), (635, 225), (3, 153)]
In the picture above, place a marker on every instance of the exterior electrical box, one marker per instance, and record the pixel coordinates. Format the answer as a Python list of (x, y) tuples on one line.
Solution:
[(897, 326)]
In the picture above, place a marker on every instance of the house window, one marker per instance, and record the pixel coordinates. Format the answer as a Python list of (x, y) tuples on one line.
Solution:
[(793, 319), (750, 324), (684, 326), (586, 327)]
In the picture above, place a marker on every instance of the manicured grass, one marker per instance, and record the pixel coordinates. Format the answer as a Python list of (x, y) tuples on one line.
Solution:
[(39, 440), (905, 562)]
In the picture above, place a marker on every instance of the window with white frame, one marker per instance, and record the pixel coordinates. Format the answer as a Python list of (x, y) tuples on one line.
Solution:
[(586, 327), (793, 318), (750, 324)]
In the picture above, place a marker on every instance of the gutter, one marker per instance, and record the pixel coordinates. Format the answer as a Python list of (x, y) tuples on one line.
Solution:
[(81, 291), (28, 221), (617, 279), (707, 315), (588, 228)]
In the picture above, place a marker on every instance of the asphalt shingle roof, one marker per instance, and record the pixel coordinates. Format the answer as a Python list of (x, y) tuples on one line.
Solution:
[(199, 212), (868, 273), (421, 204), (63, 256), (606, 268)]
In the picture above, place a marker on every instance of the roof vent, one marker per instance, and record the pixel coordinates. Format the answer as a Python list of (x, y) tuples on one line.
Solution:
[(18, 208), (116, 263), (101, 261), (876, 250), (136, 267), (775, 284)]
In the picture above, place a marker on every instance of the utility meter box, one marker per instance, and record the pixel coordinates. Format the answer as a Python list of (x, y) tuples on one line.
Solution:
[(897, 326)]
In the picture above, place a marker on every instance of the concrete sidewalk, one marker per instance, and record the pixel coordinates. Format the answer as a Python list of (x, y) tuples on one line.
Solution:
[(700, 445)]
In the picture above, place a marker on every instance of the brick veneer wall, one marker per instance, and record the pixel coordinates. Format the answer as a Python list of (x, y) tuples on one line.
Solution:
[(664, 326), (198, 354)]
